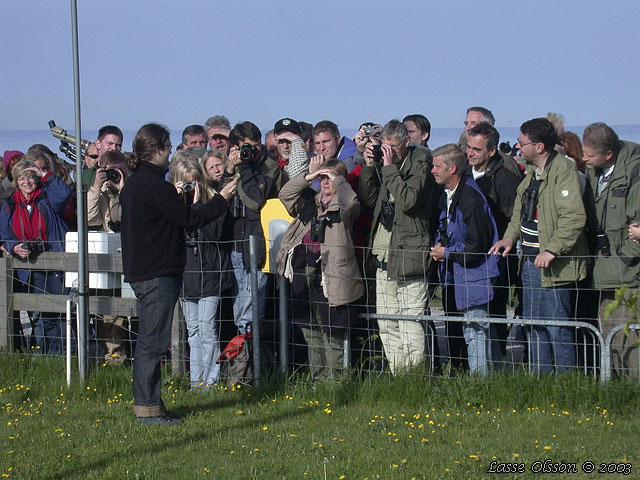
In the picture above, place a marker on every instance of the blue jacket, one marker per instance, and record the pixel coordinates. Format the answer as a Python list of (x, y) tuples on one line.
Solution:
[(51, 203), (471, 231)]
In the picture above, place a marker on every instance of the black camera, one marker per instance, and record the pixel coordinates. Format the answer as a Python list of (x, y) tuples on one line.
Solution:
[(34, 247), (188, 187), (238, 209), (377, 154), (387, 214), (529, 204), (602, 242), (191, 240), (113, 175), (246, 152), (444, 236), (113, 226), (505, 147), (318, 227)]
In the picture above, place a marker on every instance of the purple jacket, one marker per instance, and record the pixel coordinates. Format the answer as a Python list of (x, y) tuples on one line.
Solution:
[(471, 231)]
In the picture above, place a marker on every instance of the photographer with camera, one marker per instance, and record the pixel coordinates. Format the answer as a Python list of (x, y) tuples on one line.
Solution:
[(397, 184), (109, 138), (104, 214), (207, 273), (614, 200), (31, 222), (260, 178), (549, 217), (317, 256), (103, 197)]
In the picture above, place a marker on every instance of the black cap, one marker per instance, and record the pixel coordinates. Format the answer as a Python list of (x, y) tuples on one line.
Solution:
[(288, 124)]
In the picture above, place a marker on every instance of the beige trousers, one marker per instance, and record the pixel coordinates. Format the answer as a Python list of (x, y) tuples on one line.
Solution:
[(403, 340)]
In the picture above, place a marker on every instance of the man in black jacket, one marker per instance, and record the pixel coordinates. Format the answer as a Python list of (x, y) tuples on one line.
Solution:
[(499, 185), (260, 178)]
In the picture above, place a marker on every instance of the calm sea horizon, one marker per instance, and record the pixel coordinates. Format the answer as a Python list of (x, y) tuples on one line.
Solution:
[(22, 139)]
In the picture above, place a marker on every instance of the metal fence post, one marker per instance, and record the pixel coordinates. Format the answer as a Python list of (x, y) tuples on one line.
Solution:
[(284, 326), (255, 320)]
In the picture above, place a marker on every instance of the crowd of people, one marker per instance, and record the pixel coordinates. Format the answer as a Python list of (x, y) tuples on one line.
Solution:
[(379, 220)]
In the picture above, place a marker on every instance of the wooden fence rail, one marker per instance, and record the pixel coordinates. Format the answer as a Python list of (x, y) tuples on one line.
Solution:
[(12, 302)]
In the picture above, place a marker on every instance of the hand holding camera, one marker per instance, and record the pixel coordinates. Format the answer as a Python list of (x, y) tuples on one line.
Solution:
[(365, 134), (109, 174), (373, 154), (189, 191)]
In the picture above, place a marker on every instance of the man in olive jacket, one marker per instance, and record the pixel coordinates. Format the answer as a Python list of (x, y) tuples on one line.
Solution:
[(549, 217), (614, 203), (399, 187)]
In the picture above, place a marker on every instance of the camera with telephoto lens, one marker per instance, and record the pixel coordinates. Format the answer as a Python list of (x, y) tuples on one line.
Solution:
[(113, 175), (318, 227), (387, 214), (602, 242), (34, 247), (377, 154), (246, 152), (529, 204), (444, 236)]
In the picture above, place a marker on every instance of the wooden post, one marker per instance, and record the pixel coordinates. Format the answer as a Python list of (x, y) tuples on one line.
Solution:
[(6, 304)]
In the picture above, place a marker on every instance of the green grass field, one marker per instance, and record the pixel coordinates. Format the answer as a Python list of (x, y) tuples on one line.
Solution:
[(403, 428)]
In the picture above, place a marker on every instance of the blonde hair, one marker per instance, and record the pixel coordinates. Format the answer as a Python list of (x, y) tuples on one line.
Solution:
[(213, 154), (186, 168), (19, 168)]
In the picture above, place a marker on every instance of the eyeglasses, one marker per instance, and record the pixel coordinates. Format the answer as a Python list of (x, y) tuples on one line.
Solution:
[(25, 178), (522, 144), (396, 145), (95, 156)]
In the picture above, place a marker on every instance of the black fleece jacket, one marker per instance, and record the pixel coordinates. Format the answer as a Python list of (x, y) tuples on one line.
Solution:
[(153, 221)]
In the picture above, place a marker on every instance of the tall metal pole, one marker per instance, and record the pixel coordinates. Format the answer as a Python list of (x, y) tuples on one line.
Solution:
[(255, 324), (83, 274)]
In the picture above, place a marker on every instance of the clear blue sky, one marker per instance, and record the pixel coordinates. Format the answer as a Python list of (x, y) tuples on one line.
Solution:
[(179, 62)]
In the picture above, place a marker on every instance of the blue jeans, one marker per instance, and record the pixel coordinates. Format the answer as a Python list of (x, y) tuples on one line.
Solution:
[(547, 342), (156, 300), (483, 351), (242, 313), (204, 345)]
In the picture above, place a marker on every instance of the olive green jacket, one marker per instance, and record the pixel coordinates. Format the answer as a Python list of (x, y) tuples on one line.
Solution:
[(622, 200), (411, 185), (561, 221)]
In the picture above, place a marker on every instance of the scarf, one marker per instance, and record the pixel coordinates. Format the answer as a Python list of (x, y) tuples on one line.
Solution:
[(27, 222)]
